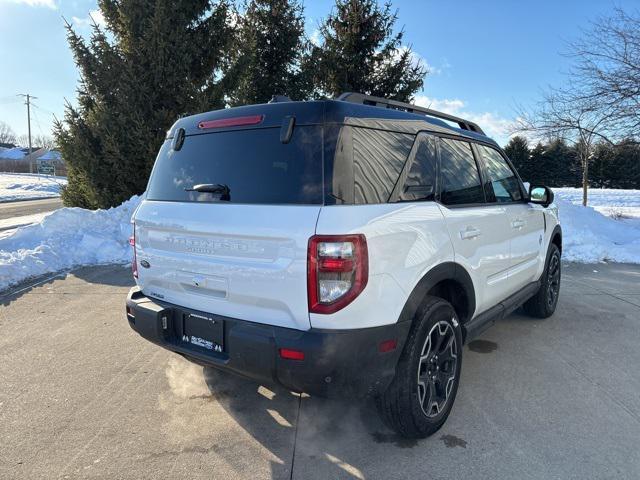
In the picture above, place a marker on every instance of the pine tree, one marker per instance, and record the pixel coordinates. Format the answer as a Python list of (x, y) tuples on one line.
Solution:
[(624, 169), (269, 48), (558, 168), (157, 61), (359, 52), (518, 152)]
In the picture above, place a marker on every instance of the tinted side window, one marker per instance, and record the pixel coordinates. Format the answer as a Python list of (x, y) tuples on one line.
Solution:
[(378, 159), (420, 182), (460, 176), (505, 185)]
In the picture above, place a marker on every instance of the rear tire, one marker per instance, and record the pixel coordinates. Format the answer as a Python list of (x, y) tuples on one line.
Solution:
[(420, 397), (543, 303)]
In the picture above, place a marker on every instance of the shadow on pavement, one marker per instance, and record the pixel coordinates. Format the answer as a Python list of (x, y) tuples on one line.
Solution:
[(322, 426), (17, 291), (111, 275)]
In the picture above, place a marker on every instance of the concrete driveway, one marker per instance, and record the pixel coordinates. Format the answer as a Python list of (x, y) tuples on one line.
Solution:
[(82, 396)]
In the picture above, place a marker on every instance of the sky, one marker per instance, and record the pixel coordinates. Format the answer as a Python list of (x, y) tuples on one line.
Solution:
[(486, 58)]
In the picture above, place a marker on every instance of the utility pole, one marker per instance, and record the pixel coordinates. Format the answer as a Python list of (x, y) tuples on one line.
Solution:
[(28, 104)]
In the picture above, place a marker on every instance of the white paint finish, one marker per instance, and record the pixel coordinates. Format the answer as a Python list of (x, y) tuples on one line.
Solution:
[(480, 237), (527, 244), (404, 240), (241, 261), (380, 303)]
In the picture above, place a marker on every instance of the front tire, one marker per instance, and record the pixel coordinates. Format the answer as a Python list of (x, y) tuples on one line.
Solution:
[(420, 397), (543, 303)]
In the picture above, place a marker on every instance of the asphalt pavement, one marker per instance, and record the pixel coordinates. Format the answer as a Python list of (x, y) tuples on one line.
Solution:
[(24, 208), (83, 396)]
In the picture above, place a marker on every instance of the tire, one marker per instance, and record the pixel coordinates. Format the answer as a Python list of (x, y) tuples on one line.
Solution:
[(544, 302), (408, 406)]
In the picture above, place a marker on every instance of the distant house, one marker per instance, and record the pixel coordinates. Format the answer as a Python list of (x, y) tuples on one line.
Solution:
[(51, 163), (43, 161)]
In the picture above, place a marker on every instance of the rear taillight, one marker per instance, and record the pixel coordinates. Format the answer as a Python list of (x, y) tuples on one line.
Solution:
[(337, 271), (132, 242)]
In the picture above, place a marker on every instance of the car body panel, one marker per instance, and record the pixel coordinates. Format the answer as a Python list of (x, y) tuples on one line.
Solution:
[(244, 261), (405, 241)]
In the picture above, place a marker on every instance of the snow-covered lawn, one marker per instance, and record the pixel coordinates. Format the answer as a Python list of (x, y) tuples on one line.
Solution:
[(24, 186), (607, 230), (71, 237), (67, 238)]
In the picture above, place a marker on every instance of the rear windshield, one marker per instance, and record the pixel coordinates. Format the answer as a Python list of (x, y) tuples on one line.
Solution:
[(254, 164)]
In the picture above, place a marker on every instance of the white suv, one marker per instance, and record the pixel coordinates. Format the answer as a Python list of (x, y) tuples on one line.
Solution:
[(339, 246)]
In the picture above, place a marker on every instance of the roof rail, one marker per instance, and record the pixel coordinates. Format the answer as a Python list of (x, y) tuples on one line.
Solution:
[(408, 107)]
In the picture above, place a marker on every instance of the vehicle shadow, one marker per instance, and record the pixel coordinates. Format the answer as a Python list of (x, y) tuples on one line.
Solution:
[(330, 435), (110, 275)]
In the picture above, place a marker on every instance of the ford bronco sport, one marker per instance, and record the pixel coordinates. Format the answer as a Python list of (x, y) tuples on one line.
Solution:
[(339, 246)]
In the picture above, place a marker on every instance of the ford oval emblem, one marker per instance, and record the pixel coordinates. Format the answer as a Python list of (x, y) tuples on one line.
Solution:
[(145, 264)]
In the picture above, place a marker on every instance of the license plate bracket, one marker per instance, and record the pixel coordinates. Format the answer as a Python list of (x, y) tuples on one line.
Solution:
[(203, 331)]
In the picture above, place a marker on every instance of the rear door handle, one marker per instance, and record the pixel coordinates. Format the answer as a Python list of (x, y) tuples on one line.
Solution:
[(469, 233), (518, 223)]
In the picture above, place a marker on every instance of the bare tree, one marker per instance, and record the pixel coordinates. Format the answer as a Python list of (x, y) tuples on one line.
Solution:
[(570, 116), (38, 141), (44, 141), (6, 133), (602, 101), (607, 69)]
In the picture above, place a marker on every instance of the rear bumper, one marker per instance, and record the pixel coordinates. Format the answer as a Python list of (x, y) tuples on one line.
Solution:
[(337, 362)]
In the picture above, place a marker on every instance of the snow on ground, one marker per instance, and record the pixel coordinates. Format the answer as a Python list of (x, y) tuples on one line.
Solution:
[(607, 230), (71, 237), (24, 186), (8, 226), (622, 205), (67, 238)]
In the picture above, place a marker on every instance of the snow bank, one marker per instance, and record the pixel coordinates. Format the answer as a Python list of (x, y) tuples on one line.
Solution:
[(67, 238), (23, 186), (589, 236)]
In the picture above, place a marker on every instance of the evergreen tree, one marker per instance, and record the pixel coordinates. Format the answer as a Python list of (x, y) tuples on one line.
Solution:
[(601, 167), (623, 169), (518, 152), (536, 165), (158, 61), (269, 48), (359, 52), (558, 166)]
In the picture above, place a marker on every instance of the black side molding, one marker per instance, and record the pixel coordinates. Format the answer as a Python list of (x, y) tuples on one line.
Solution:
[(487, 318)]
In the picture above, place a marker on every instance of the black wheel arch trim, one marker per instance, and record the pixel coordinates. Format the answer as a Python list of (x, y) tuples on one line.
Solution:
[(444, 271), (557, 230)]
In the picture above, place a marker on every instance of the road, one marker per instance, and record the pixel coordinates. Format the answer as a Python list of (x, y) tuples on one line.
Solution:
[(28, 207), (24, 212), (83, 396)]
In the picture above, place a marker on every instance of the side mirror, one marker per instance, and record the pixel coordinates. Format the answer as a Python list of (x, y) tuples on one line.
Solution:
[(540, 195)]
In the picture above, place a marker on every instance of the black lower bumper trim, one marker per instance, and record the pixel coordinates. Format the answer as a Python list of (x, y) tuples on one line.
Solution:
[(336, 362)]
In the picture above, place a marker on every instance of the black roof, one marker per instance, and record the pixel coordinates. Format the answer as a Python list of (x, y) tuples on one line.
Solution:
[(329, 111)]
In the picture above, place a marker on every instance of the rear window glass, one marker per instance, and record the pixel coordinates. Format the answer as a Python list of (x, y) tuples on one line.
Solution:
[(255, 166), (420, 183)]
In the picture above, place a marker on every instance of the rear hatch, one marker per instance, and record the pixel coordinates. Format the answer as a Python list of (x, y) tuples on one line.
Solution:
[(237, 246)]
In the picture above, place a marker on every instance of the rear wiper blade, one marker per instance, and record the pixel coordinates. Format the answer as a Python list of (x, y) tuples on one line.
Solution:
[(220, 188)]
